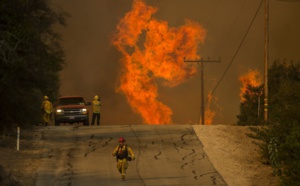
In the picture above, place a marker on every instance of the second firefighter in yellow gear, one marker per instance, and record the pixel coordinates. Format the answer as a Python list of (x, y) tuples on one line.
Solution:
[(96, 110), (47, 110), (121, 152)]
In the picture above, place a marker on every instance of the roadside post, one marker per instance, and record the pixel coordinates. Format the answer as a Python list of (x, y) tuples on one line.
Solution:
[(18, 138)]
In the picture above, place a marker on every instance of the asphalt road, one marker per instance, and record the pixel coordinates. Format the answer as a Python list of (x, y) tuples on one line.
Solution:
[(166, 155)]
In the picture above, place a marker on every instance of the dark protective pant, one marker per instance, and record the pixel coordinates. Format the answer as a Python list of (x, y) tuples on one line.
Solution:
[(97, 117), (46, 118)]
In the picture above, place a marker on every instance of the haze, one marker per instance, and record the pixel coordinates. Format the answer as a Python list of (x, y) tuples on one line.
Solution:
[(93, 65)]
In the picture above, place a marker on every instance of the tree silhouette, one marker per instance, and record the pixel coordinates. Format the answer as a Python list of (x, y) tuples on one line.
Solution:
[(30, 59), (281, 135)]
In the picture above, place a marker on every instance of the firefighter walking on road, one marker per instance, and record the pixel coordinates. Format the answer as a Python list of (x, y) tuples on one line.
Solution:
[(122, 152), (47, 110), (96, 110)]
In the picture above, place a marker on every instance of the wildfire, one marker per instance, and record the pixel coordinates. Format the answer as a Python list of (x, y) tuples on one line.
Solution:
[(253, 78), (209, 113), (152, 50)]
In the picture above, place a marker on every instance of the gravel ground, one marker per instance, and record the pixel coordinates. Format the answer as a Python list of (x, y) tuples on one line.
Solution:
[(232, 153), (235, 155)]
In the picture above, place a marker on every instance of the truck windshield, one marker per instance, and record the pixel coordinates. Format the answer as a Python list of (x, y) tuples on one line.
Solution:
[(71, 101)]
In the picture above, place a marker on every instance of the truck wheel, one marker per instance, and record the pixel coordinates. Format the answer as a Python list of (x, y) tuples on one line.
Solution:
[(86, 123)]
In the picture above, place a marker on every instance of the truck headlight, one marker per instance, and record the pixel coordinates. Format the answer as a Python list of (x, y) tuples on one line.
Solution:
[(59, 111), (84, 111)]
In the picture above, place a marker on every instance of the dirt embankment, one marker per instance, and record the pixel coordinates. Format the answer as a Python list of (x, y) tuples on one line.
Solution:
[(19, 167), (235, 155)]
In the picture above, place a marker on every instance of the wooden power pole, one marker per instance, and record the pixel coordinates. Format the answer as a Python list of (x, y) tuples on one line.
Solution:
[(201, 61), (266, 58)]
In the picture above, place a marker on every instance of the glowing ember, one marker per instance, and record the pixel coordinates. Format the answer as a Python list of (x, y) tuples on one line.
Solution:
[(151, 50), (253, 78)]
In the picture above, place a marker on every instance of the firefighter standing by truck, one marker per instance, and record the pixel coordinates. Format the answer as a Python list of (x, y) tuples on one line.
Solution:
[(121, 152), (47, 110), (96, 110)]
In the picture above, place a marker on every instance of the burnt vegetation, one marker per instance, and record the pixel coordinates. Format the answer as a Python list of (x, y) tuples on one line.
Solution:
[(281, 135), (30, 60)]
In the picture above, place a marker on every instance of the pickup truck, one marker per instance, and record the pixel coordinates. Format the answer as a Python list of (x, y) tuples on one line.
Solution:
[(71, 109)]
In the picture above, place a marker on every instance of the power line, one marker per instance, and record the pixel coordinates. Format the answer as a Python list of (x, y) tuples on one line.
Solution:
[(201, 61), (237, 50)]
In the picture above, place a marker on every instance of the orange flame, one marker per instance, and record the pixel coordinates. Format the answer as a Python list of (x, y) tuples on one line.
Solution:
[(253, 78), (151, 50), (209, 113)]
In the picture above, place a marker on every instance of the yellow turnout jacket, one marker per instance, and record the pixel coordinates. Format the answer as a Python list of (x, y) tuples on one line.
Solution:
[(47, 106), (96, 106), (120, 151)]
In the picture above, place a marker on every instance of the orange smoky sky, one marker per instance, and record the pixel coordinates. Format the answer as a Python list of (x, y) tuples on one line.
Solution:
[(145, 61), (152, 50)]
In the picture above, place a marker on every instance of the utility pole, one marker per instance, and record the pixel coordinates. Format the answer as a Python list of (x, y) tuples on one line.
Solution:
[(266, 58), (201, 61), (266, 54)]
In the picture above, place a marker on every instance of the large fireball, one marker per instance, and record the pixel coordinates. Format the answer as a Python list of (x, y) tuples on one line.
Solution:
[(153, 51)]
